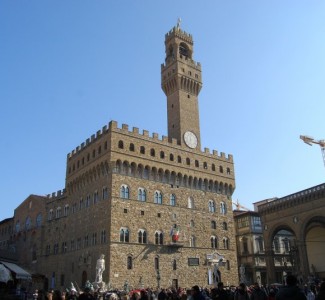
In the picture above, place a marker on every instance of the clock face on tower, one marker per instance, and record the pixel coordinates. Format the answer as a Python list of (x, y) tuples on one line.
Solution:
[(190, 139)]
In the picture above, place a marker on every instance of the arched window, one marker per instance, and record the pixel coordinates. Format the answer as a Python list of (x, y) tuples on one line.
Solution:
[(171, 157), (223, 208), (96, 197), (227, 264), (228, 171), (225, 243), (50, 215), (213, 167), (179, 159), (214, 242), (190, 202), (221, 169), (103, 237), (131, 147), (205, 165), (224, 226), (259, 244), (276, 245), (66, 210), (174, 265), (124, 192), (162, 154), (152, 152), (142, 236), (212, 206), (159, 238), (105, 193), (94, 239), (158, 197), (213, 225), (39, 220), (124, 235), (188, 161), (129, 262), (142, 195), (58, 212), (192, 241), (156, 263), (172, 201), (142, 150), (197, 163), (183, 50), (28, 223), (87, 200), (121, 144)]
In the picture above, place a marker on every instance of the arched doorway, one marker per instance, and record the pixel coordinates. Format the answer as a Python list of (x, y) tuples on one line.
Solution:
[(315, 248), (285, 254)]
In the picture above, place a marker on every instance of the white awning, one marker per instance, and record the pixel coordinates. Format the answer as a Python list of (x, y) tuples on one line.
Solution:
[(20, 272)]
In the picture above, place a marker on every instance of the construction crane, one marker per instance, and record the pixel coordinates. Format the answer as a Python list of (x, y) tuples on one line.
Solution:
[(310, 141), (239, 206)]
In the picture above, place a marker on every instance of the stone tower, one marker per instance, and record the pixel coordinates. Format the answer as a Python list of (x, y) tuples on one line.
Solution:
[(181, 82)]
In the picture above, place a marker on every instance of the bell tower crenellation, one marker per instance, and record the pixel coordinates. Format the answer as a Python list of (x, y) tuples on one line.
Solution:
[(181, 81)]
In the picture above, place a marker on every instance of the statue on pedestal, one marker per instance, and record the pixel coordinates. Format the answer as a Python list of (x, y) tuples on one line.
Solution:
[(100, 268)]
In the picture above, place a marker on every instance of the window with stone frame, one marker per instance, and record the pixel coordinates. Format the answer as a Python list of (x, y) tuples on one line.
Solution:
[(124, 235), (212, 206), (142, 236), (225, 243), (172, 200), (157, 197), (213, 225), (214, 242), (103, 237), (129, 262), (159, 238), (124, 192), (105, 193), (223, 208), (142, 194)]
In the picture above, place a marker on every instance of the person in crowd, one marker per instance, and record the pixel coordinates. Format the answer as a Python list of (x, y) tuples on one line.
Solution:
[(86, 295), (258, 293), (271, 295), (321, 293), (196, 293), (291, 291), (241, 292), (220, 293)]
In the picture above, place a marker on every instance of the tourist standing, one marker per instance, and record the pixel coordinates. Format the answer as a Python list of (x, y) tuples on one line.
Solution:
[(291, 291), (258, 293), (241, 292)]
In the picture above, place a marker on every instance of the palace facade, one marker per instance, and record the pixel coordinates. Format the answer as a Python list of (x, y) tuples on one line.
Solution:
[(159, 209)]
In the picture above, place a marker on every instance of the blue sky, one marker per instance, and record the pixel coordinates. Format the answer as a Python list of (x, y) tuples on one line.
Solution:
[(69, 67)]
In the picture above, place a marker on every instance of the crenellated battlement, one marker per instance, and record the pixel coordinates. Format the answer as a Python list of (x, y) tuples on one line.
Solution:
[(154, 137), (178, 32), (57, 194), (186, 60)]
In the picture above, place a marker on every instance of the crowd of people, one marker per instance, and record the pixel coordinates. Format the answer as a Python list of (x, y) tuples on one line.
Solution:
[(290, 291)]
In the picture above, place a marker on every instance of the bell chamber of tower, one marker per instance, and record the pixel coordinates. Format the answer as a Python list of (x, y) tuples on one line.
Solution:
[(181, 81)]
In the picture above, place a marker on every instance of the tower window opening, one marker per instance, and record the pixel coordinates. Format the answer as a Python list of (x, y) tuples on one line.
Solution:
[(188, 96), (183, 50)]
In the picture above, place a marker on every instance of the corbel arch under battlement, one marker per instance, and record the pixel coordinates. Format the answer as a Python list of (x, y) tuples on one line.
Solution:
[(171, 177)]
